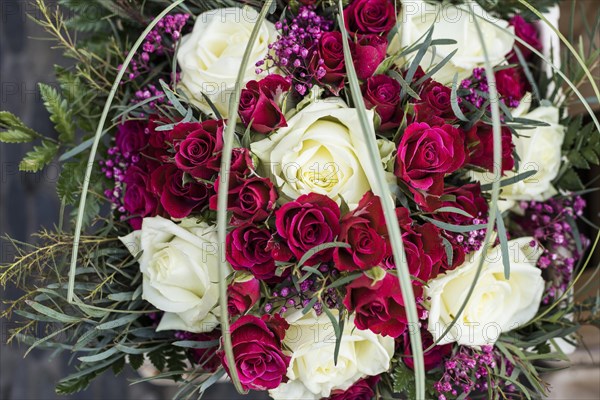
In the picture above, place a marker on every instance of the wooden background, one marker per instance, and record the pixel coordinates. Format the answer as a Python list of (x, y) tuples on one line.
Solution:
[(28, 201)]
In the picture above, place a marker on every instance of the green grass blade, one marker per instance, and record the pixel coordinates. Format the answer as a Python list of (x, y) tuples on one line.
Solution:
[(389, 212), (94, 149), (223, 194)]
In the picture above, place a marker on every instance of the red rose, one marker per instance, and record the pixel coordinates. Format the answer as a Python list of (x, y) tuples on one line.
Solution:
[(241, 161), (423, 247), (328, 64), (480, 140), (365, 231), (378, 306), (138, 200), (198, 151), (426, 154), (131, 138), (258, 103), (259, 359), (246, 250), (433, 358), (177, 198), (511, 85), (370, 16), (435, 107), (382, 93), (242, 296), (250, 199), (309, 221), (206, 358), (368, 52), (528, 33), (467, 198), (363, 389)]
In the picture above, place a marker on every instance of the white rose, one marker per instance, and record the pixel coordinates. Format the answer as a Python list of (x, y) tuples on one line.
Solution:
[(180, 269), (211, 56), (538, 149), (322, 150), (312, 373), (457, 23), (497, 304)]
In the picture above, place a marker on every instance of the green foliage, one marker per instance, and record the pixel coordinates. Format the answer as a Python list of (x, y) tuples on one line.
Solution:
[(403, 382), (15, 130), (581, 147), (39, 157), (59, 111)]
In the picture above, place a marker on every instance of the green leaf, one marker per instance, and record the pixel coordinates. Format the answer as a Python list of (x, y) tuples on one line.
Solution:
[(454, 210), (338, 329), (57, 316), (11, 121), (192, 344), (118, 322), (15, 136), (503, 244), (577, 159), (136, 361), (69, 182), (59, 111), (455, 228), (510, 181), (39, 157)]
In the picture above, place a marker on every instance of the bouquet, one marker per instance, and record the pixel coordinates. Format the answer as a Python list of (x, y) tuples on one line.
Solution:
[(320, 199)]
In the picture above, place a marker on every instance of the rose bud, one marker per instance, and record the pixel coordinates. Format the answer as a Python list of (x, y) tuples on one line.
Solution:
[(370, 16), (378, 305), (480, 140), (130, 138), (328, 64), (197, 153), (259, 359), (260, 103), (138, 199), (368, 52), (242, 293), (364, 389), (433, 358), (511, 85), (528, 33), (382, 93), (309, 221), (365, 231)]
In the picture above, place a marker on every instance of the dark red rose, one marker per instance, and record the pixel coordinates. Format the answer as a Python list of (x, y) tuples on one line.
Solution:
[(259, 359), (363, 389), (433, 358), (241, 161), (131, 138), (528, 33), (368, 52), (370, 16), (328, 64), (206, 358), (246, 250), (198, 153), (480, 141), (467, 198), (250, 199), (309, 221), (435, 107), (378, 306), (382, 93), (242, 296), (159, 141), (259, 103), (138, 200), (177, 198), (511, 85), (426, 154), (423, 246), (365, 231)]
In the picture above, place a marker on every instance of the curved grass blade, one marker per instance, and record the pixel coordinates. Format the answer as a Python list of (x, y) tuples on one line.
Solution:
[(223, 194), (94, 149), (497, 151), (389, 213)]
